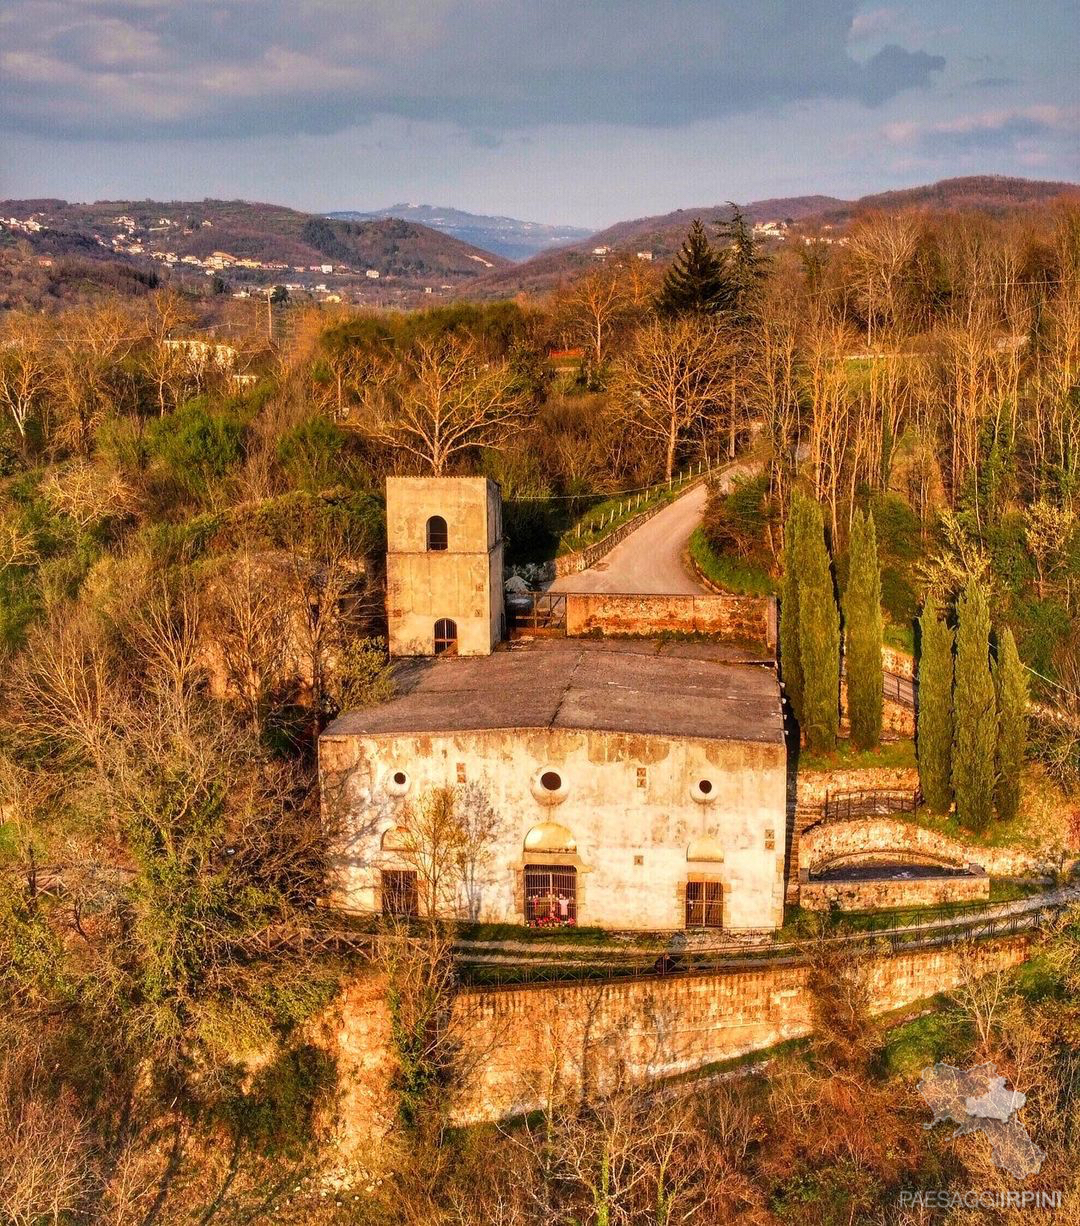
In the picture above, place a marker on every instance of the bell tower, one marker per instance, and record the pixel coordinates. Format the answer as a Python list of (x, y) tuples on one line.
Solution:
[(444, 565)]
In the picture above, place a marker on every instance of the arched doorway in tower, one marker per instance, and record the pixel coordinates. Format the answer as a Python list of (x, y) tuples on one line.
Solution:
[(445, 636)]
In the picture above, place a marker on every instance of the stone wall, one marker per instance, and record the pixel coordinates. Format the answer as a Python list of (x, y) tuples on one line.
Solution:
[(521, 1044), (733, 618), (814, 786), (887, 895), (826, 841), (897, 720), (878, 838), (899, 663)]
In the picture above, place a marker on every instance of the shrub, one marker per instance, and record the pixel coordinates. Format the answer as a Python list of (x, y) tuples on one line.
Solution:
[(737, 522), (197, 447), (314, 454)]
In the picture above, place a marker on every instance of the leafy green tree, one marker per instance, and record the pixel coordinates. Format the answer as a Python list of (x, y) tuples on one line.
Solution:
[(696, 283), (935, 722), (790, 664), (1012, 696), (975, 711), (862, 635), (819, 634)]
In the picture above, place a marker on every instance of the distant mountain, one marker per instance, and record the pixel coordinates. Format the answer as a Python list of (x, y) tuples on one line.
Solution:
[(245, 239), (505, 236), (660, 236), (994, 195)]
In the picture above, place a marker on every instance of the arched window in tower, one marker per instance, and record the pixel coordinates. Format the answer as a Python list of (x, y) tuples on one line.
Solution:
[(437, 536), (445, 636)]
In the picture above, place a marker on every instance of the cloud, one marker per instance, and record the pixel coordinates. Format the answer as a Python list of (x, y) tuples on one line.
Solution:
[(872, 23), (121, 69), (989, 130)]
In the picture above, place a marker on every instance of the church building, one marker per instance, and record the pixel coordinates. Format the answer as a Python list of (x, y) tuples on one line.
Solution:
[(629, 783)]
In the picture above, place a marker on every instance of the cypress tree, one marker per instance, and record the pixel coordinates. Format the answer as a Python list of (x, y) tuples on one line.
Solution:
[(790, 665), (819, 635), (862, 635), (974, 712), (1012, 696), (935, 725), (696, 282)]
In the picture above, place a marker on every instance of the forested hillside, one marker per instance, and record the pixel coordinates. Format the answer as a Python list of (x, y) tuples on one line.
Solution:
[(191, 538)]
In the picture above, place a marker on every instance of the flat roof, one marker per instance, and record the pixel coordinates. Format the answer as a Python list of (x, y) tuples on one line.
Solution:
[(634, 686)]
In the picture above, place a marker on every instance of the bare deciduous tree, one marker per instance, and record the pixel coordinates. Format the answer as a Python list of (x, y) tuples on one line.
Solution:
[(670, 379), (443, 399)]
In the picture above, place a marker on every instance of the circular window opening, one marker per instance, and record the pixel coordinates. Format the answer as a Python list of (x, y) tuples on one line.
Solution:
[(550, 781), (704, 786), (400, 778)]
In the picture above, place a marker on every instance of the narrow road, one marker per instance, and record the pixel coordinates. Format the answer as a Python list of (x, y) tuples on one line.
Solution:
[(650, 560)]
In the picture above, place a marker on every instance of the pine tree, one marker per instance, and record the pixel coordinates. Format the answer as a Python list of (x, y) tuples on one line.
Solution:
[(935, 726), (974, 712), (695, 283), (819, 635), (1012, 696), (744, 266), (790, 666), (862, 635)]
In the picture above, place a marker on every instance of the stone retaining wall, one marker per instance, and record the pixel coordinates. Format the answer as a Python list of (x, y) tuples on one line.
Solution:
[(734, 618), (878, 838), (888, 895), (814, 786), (519, 1046), (899, 663)]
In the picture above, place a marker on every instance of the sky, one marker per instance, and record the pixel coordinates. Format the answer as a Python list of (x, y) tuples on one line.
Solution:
[(581, 112)]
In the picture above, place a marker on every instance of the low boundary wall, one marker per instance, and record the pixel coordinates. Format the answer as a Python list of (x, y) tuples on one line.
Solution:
[(880, 838), (822, 841), (520, 1046), (739, 618), (894, 893)]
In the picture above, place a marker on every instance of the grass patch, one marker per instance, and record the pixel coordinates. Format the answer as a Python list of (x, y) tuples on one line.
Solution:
[(900, 637), (911, 1046), (735, 575), (1039, 979), (1004, 890), (1000, 834), (541, 936), (891, 755)]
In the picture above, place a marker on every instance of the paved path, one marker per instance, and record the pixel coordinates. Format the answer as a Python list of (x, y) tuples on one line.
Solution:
[(651, 559)]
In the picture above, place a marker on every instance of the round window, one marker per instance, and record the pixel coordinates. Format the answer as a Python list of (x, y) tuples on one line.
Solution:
[(703, 791), (400, 778), (549, 786)]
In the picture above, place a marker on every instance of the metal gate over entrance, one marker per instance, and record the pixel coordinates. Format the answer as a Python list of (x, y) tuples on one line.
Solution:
[(550, 895), (536, 613), (704, 904)]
